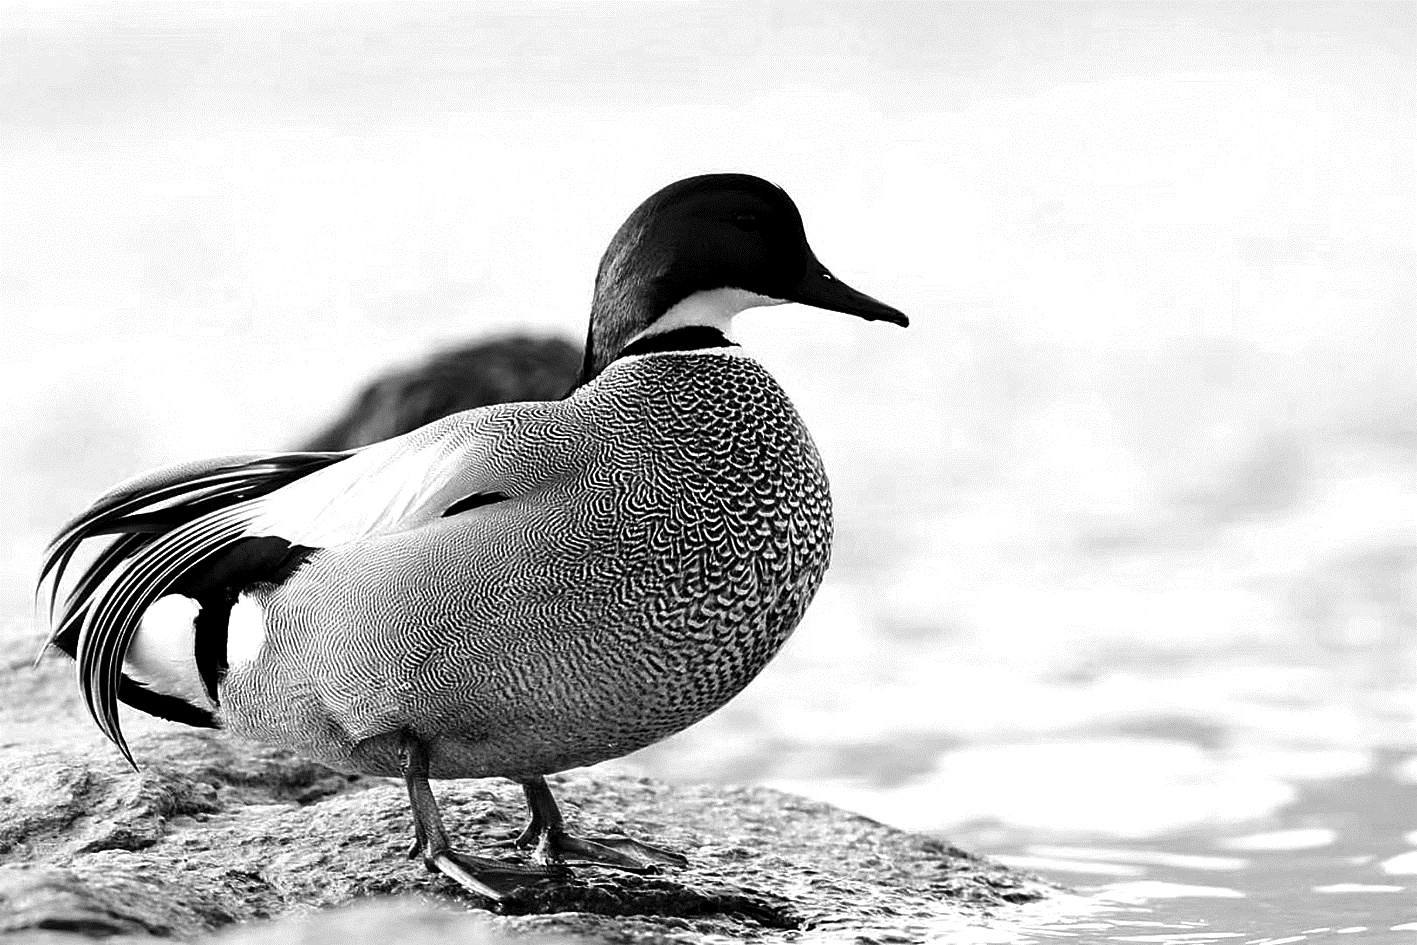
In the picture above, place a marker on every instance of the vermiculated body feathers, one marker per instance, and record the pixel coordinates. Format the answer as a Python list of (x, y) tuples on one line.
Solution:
[(691, 523)]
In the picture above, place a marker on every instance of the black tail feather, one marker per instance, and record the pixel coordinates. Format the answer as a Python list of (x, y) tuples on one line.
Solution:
[(66, 630)]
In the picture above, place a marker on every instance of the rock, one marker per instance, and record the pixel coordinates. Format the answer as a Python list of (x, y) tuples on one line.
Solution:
[(225, 841)]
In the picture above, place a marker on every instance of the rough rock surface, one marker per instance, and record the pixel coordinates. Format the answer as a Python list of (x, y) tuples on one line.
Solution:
[(214, 837)]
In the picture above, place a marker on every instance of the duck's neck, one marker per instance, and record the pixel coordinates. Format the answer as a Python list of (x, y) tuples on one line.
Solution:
[(713, 310)]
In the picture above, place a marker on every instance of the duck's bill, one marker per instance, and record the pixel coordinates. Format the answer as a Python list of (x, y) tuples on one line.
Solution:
[(820, 289)]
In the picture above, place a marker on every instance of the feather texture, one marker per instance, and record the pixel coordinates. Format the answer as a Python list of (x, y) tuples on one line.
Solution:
[(399, 484)]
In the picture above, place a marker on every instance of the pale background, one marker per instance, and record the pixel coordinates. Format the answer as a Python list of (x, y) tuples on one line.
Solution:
[(1129, 511)]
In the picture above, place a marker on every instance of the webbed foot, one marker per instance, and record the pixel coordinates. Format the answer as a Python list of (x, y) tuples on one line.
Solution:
[(623, 853), (546, 836)]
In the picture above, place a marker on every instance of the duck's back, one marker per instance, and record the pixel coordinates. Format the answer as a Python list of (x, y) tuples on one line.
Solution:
[(679, 524)]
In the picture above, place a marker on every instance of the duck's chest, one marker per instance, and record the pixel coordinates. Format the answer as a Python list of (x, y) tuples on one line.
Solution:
[(725, 496)]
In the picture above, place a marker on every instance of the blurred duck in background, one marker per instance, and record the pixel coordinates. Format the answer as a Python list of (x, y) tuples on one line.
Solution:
[(498, 371)]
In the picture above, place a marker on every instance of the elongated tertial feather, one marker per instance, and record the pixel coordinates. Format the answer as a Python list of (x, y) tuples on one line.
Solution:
[(165, 523), (111, 625)]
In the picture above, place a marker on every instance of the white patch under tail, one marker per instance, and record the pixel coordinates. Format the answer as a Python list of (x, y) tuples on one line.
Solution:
[(163, 654), (245, 631)]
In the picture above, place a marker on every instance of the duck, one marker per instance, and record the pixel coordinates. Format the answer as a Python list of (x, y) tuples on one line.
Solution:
[(493, 371), (509, 591)]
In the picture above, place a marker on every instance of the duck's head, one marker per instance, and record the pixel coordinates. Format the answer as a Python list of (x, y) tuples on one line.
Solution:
[(702, 250)]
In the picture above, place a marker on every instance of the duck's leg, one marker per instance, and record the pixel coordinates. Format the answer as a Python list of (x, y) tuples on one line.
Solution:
[(547, 835), (493, 879)]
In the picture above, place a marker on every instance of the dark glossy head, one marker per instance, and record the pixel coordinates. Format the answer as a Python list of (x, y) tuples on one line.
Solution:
[(710, 232)]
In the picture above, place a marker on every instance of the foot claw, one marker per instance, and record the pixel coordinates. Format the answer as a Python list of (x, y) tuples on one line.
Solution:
[(547, 833)]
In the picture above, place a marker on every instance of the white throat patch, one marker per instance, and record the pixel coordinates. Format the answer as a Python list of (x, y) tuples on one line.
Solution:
[(712, 308)]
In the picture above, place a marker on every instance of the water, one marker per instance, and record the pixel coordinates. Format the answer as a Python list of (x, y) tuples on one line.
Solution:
[(1125, 583), (1209, 736), (1289, 882)]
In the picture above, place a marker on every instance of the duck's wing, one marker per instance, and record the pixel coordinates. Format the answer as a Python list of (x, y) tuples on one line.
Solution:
[(205, 530)]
